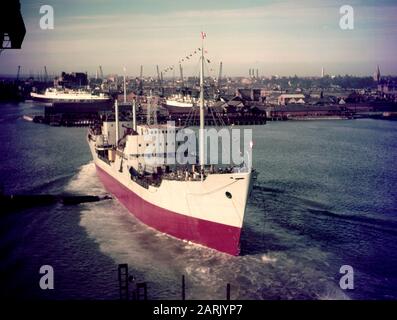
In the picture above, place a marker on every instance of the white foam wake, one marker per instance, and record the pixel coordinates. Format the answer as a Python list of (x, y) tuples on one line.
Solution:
[(86, 181), (161, 260)]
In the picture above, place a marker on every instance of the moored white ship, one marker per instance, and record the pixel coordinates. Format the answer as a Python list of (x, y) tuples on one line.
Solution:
[(183, 103), (52, 95)]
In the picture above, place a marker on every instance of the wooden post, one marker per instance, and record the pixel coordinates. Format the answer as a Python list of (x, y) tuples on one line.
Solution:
[(123, 281), (183, 288), (141, 285), (228, 291)]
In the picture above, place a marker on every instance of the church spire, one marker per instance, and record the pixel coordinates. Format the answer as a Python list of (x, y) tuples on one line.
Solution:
[(377, 75)]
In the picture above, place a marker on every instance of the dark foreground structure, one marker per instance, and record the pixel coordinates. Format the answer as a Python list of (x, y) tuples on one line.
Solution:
[(74, 114), (12, 27)]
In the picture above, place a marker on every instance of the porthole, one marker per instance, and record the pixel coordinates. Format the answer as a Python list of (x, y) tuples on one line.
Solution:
[(228, 194)]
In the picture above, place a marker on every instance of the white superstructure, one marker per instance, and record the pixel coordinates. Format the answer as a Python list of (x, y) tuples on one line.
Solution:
[(201, 203)]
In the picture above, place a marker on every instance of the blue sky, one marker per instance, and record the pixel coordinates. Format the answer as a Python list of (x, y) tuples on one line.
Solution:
[(276, 37)]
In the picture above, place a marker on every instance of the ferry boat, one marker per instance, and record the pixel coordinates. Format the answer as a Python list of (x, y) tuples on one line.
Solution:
[(200, 203)]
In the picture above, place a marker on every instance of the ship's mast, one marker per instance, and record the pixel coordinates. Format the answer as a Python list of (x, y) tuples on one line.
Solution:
[(134, 114), (201, 131), (116, 109), (149, 107)]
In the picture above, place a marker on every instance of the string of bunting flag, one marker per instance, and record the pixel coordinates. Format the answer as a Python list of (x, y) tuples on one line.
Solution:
[(184, 59)]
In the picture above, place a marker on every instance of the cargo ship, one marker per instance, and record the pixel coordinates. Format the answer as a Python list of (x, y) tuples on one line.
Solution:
[(199, 203)]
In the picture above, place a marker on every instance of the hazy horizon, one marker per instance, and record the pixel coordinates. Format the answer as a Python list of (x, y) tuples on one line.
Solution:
[(282, 38)]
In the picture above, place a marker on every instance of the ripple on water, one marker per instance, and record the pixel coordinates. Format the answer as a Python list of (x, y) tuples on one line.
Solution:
[(161, 260)]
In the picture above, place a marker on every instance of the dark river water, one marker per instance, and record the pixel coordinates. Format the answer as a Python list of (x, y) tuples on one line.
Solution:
[(326, 196)]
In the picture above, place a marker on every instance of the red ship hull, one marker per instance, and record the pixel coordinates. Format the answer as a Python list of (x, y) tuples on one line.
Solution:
[(214, 235)]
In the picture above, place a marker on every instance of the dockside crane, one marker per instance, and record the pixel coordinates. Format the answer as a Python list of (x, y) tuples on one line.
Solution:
[(161, 83), (173, 77), (18, 72), (140, 89), (160, 80), (45, 74), (158, 76), (181, 73), (220, 76)]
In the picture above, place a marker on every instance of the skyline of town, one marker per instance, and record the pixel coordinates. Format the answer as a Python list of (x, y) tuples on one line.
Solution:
[(276, 37)]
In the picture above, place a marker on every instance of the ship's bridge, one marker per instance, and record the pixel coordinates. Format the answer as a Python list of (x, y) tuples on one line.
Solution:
[(154, 144)]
